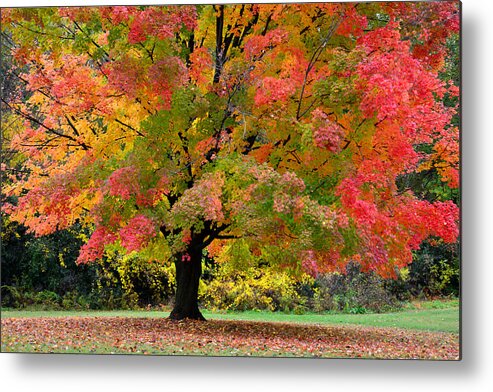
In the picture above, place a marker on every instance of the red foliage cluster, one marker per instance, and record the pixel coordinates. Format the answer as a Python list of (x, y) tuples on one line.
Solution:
[(393, 82), (93, 249), (78, 14), (391, 234), (353, 23), (72, 83), (167, 75), (161, 22), (124, 183), (257, 45), (159, 80), (201, 64), (117, 15), (137, 233), (326, 134), (45, 209), (428, 25), (274, 90), (126, 75), (134, 236)]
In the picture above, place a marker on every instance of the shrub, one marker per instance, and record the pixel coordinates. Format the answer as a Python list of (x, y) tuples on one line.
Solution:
[(323, 300), (11, 297), (355, 292), (435, 270), (444, 278), (131, 282), (73, 300), (48, 299), (254, 289), (268, 289), (17, 297)]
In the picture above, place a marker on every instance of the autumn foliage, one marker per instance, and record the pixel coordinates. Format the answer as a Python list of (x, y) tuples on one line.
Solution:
[(275, 131)]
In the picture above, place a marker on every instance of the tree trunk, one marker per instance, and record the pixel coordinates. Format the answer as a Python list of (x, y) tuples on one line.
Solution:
[(188, 272)]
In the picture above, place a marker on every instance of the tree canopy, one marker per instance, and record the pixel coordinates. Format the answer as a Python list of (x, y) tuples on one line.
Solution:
[(279, 131)]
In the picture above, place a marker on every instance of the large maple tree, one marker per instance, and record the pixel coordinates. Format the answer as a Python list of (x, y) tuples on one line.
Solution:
[(279, 131)]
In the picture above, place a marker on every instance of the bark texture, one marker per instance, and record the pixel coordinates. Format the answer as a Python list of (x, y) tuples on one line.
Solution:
[(188, 272)]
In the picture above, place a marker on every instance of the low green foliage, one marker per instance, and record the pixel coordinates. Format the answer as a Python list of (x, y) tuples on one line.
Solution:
[(42, 300)]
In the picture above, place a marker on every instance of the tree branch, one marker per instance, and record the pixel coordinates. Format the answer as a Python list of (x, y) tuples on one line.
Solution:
[(219, 43), (316, 54), (51, 130)]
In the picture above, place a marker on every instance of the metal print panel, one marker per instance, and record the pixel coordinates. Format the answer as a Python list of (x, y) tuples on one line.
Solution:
[(274, 180)]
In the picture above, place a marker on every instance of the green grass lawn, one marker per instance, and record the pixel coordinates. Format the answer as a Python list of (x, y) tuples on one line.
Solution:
[(431, 316)]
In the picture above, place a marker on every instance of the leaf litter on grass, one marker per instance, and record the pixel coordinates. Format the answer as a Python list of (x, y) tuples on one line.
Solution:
[(221, 338)]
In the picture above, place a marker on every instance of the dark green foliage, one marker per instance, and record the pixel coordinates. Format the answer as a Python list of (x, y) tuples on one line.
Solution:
[(452, 71), (45, 263), (41, 273), (435, 271)]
